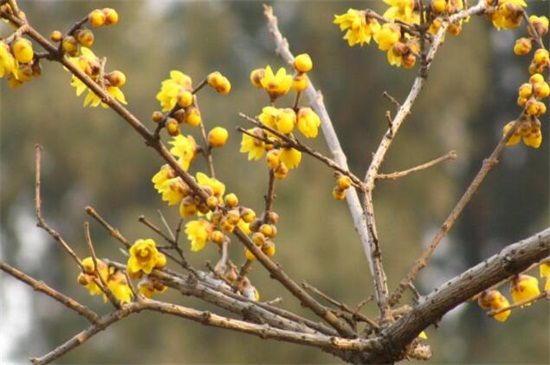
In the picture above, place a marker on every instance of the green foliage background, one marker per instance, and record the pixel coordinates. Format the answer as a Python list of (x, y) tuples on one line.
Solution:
[(92, 158)]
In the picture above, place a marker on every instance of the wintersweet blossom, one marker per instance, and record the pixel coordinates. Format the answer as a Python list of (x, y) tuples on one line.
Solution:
[(171, 89), (143, 256), (253, 146), (198, 232), (185, 148), (358, 26), (277, 84)]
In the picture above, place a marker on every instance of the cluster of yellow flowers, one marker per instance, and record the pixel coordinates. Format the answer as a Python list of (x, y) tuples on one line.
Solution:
[(18, 62), (531, 94), (523, 289), (144, 258), (280, 156), (94, 277), (397, 34)]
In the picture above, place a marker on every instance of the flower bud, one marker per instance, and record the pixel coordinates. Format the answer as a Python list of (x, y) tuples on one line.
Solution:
[(22, 50), (303, 63), (217, 137), (97, 18)]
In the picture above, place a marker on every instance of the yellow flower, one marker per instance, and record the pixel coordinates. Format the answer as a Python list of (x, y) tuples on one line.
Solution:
[(528, 130), (494, 300), (185, 148), (524, 287), (118, 285), (360, 28), (89, 64), (151, 286), (90, 273), (285, 121), (173, 190), (388, 35), (171, 88), (508, 14), (218, 188), (277, 84), (544, 269), (290, 157), (198, 232), (401, 10), (269, 116), (308, 122), (7, 62), (165, 173), (253, 146), (143, 256)]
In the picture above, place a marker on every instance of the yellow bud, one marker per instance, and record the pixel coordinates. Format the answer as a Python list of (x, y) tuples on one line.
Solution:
[(193, 117), (233, 216), (439, 5), (541, 57), (344, 182), (111, 16), (185, 98), (56, 36), (258, 238), (269, 249), (525, 90), (69, 46), (248, 215), (116, 78), (231, 200), (172, 127), (541, 89), (217, 237), (256, 76), (303, 63), (157, 116), (523, 46), (212, 202), (85, 37), (536, 78), (272, 217), (22, 50), (97, 18), (217, 137), (299, 82), (338, 193)]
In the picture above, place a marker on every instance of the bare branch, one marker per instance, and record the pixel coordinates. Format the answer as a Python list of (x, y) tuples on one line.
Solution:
[(56, 295), (396, 175)]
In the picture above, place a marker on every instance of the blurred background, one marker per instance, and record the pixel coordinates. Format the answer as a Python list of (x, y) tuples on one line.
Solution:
[(91, 157)]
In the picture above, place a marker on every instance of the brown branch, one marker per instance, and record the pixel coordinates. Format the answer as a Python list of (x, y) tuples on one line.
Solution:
[(396, 175), (41, 223), (294, 143), (112, 231), (421, 262), (329, 133), (512, 260), (51, 292), (77, 340)]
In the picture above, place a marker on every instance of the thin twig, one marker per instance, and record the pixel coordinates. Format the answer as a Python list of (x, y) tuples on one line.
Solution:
[(98, 279), (112, 231), (528, 301), (421, 262), (396, 175), (41, 223), (54, 294)]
